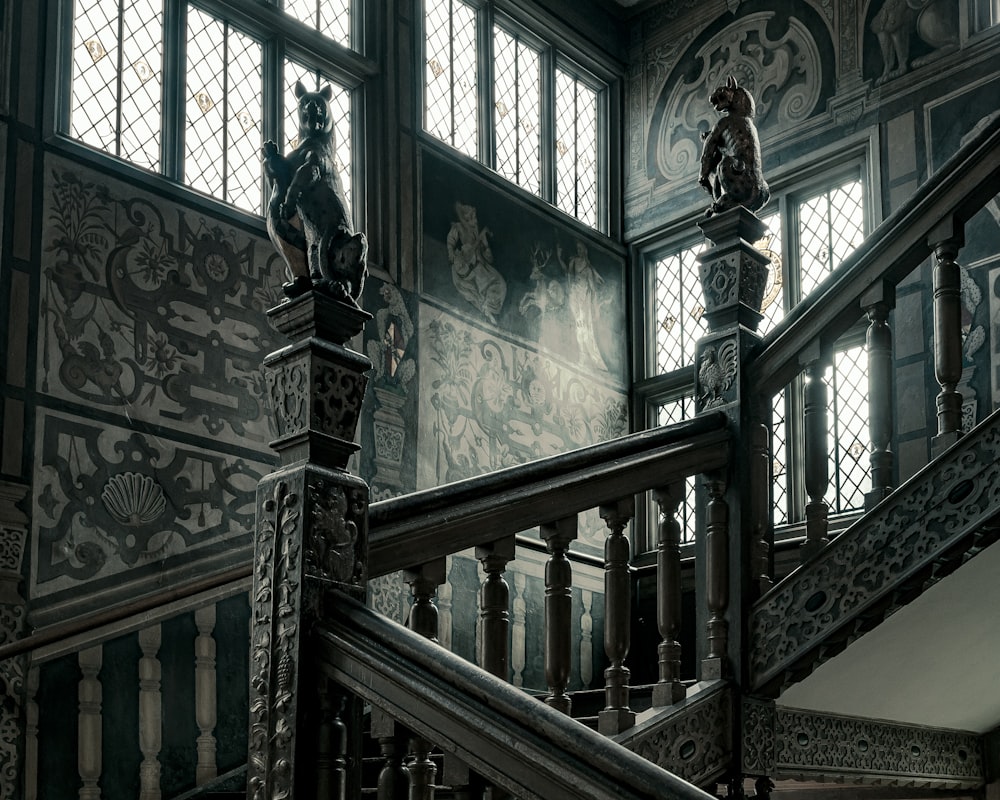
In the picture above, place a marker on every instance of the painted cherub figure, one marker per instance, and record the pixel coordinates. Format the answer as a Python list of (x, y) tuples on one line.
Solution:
[(730, 159)]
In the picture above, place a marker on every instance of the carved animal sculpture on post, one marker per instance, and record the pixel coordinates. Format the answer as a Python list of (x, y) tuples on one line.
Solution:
[(730, 158), (307, 215)]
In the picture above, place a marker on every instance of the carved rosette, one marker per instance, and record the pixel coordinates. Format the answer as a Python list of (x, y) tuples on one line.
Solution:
[(915, 527), (733, 272), (811, 745), (692, 739)]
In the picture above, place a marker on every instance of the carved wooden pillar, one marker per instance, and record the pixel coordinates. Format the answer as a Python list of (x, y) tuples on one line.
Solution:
[(89, 752), (518, 652), (311, 539), (494, 602), (817, 460), (423, 619), (947, 241), (150, 714), (877, 302), (13, 709), (717, 579), (205, 693), (669, 689), (617, 716), (558, 610)]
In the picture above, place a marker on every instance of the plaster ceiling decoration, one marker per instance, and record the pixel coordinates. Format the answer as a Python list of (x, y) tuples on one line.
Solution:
[(781, 74)]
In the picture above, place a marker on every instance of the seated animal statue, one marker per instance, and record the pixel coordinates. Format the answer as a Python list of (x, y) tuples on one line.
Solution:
[(730, 158), (307, 215)]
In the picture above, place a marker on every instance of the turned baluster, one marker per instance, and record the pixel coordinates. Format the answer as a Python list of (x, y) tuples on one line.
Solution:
[(423, 619), (394, 778), (150, 714), (877, 302), (947, 334), (331, 762), (669, 688), (494, 605), (89, 723), (817, 460), (558, 610), (617, 716), (716, 578)]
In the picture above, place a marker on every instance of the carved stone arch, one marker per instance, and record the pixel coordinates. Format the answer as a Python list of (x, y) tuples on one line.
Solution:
[(777, 59)]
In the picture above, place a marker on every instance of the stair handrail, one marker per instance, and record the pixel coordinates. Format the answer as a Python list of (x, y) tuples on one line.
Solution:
[(960, 188), (501, 732), (436, 522)]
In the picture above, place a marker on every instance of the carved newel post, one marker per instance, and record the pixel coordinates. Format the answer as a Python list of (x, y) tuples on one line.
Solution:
[(735, 547), (311, 543)]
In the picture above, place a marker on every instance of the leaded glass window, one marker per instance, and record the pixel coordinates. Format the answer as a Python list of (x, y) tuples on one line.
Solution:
[(517, 109), (117, 75), (332, 18), (678, 309), (451, 102), (576, 148), (669, 413), (823, 227), (546, 113), (222, 130), (233, 70)]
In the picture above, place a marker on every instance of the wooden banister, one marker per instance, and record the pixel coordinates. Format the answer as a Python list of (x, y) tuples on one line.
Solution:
[(958, 190)]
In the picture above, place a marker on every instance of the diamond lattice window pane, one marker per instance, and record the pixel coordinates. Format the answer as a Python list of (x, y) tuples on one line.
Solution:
[(831, 226), (340, 107), (667, 414), (678, 309), (116, 81), (451, 92), (517, 98), (332, 18), (576, 148), (244, 123), (779, 460), (223, 111), (848, 430)]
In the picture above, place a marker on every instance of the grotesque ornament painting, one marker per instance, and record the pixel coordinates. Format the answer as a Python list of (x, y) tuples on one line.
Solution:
[(307, 214), (730, 158)]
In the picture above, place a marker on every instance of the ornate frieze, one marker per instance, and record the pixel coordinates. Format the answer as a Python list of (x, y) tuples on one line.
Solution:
[(758, 736), (859, 571), (691, 739), (811, 745)]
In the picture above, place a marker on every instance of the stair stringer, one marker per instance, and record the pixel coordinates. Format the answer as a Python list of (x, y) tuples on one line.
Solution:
[(692, 738), (939, 519)]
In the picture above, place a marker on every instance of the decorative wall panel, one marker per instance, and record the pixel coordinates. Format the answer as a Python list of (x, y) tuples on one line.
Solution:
[(810, 745), (153, 312), (153, 421)]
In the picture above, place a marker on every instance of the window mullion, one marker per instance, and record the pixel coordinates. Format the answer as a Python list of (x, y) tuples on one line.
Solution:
[(119, 66), (547, 165), (173, 87), (484, 72)]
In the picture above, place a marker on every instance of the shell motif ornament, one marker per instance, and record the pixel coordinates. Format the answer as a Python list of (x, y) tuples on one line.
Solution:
[(133, 499)]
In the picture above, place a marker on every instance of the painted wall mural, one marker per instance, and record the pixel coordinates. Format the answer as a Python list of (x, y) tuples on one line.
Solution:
[(493, 404), (499, 261), (152, 428)]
